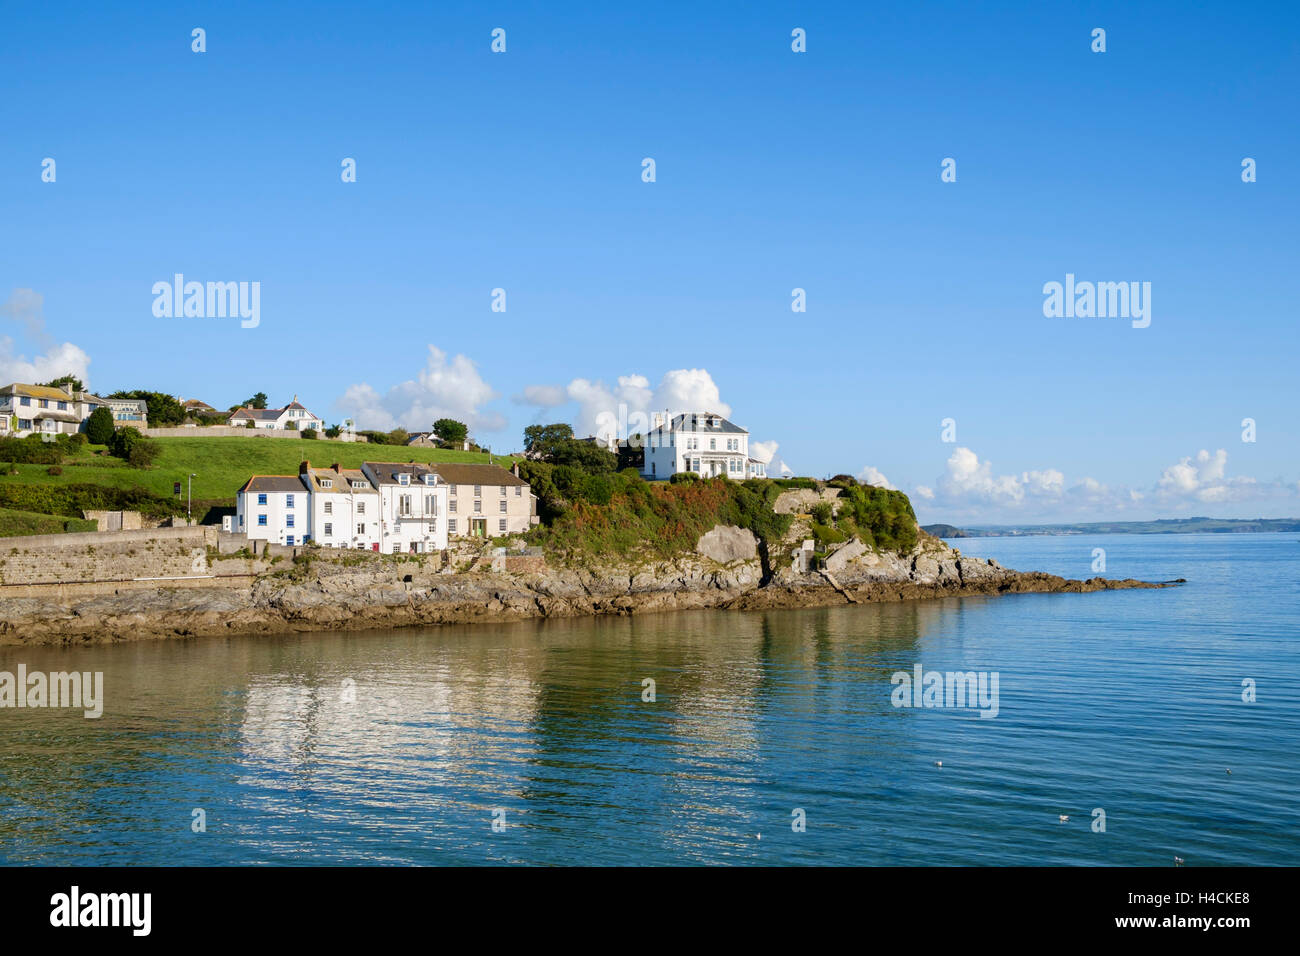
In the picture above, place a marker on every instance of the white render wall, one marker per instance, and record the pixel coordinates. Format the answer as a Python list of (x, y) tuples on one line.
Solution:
[(418, 524), (277, 510), (353, 519)]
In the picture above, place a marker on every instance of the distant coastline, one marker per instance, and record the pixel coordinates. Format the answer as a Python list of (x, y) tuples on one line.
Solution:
[(1159, 526)]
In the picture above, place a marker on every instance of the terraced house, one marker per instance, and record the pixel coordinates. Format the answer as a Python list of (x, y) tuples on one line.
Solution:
[(274, 509), (412, 507), (346, 510), (393, 507), (484, 501)]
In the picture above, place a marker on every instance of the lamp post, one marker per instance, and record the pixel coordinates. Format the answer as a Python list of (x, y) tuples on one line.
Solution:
[(189, 496)]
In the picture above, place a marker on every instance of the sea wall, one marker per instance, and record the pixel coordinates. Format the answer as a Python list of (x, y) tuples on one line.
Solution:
[(216, 593)]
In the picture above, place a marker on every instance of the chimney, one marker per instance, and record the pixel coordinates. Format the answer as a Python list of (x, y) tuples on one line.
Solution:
[(304, 468), (336, 468), (67, 387)]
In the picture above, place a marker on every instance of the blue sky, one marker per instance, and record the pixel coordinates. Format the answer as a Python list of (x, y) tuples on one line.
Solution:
[(774, 170)]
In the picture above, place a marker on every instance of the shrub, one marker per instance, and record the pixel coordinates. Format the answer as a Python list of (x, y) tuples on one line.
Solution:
[(683, 477), (99, 427), (309, 433), (821, 512), (54, 470)]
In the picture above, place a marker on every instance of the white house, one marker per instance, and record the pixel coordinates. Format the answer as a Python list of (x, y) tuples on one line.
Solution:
[(345, 507), (413, 507), (274, 509), (294, 413), (701, 442), (44, 408)]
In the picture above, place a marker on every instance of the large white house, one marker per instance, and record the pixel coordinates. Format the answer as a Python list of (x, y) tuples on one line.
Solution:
[(704, 443), (412, 506), (294, 415)]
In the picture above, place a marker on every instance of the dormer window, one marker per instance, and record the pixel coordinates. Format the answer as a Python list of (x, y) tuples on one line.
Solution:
[(327, 483), (403, 478), (428, 479)]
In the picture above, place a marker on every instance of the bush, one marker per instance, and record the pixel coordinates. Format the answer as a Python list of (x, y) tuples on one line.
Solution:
[(31, 451), (142, 454), (333, 431), (54, 470), (821, 512), (796, 483), (309, 433), (79, 440), (99, 427), (683, 477)]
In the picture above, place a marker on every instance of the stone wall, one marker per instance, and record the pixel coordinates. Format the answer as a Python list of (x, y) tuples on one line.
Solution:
[(96, 557)]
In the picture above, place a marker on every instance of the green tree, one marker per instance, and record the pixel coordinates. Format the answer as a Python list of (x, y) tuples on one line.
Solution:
[(163, 409), (99, 427), (450, 431), (257, 401), (77, 384), (540, 440)]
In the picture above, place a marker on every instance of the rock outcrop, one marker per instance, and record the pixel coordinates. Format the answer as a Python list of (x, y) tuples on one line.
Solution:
[(351, 591)]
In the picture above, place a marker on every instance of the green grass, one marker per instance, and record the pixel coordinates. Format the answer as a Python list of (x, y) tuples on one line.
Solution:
[(222, 465), (29, 522)]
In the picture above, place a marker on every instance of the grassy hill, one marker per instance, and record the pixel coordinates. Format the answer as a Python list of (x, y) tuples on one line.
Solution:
[(220, 466)]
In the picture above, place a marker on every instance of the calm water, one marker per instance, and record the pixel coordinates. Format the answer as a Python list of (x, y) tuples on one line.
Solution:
[(1128, 701)]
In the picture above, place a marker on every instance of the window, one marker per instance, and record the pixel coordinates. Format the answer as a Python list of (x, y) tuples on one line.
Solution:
[(261, 499), (428, 479), (288, 539), (361, 529), (451, 525), (327, 482), (397, 547), (713, 444), (502, 524), (329, 507), (503, 491), (329, 530), (452, 490), (288, 501), (404, 505), (478, 507), (288, 521), (24, 400), (451, 506), (519, 491), (503, 507), (695, 465), (358, 484), (63, 406), (430, 504), (45, 403), (433, 525), (478, 491), (403, 478), (361, 507), (261, 521)]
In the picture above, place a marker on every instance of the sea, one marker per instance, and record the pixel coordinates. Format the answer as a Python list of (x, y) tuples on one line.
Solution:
[(1112, 728)]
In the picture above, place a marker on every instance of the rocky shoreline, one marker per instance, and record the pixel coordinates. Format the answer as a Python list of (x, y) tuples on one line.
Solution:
[(730, 570)]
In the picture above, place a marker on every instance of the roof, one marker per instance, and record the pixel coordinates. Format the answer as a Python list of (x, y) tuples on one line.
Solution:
[(126, 401), (342, 478), (695, 422), (288, 483), (258, 414), (40, 391), (455, 474), (452, 474)]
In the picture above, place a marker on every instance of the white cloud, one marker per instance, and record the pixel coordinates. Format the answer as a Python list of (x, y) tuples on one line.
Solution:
[(443, 389), (602, 408), (1204, 479), (56, 359), (870, 475), (969, 487)]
